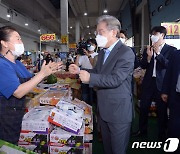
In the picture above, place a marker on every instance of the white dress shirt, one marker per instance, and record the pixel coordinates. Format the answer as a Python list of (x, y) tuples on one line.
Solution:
[(155, 61)]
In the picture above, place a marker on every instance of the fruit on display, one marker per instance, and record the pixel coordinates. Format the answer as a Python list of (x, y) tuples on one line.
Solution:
[(51, 79)]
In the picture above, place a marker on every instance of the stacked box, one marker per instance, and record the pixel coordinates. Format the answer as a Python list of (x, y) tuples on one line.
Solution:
[(67, 115), (60, 137), (33, 138), (88, 133), (88, 119), (36, 129), (87, 148), (40, 149), (36, 120), (52, 97), (65, 150)]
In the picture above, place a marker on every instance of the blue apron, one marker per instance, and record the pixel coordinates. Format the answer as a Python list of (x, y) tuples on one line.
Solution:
[(11, 113)]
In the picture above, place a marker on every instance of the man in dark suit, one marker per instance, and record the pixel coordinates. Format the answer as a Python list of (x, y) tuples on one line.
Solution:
[(112, 77), (171, 94), (155, 61)]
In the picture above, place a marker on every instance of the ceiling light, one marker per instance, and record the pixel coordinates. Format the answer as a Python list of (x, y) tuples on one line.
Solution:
[(9, 12), (85, 14), (105, 11), (26, 24), (87, 26), (39, 30), (160, 8), (8, 15), (89, 33), (70, 27)]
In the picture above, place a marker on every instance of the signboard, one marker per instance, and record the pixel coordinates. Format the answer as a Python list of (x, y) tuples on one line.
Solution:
[(173, 34), (64, 39), (172, 28), (72, 46), (48, 37)]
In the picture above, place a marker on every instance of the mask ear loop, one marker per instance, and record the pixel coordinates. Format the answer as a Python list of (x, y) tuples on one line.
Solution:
[(6, 53)]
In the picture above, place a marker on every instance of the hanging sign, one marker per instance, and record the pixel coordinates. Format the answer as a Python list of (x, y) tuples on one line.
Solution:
[(48, 37), (64, 39), (172, 28)]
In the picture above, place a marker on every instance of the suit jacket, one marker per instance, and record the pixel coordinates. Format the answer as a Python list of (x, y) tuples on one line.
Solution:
[(170, 81), (161, 65), (113, 80)]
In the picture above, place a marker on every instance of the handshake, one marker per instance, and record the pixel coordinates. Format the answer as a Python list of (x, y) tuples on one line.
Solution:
[(83, 75)]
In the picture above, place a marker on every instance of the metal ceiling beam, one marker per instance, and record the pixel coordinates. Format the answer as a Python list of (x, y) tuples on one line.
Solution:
[(49, 8), (74, 11)]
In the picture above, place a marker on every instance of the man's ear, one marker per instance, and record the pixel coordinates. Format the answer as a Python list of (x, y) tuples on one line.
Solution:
[(162, 35), (115, 32)]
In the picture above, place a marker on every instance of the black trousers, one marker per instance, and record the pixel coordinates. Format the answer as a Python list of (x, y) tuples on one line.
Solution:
[(153, 94)]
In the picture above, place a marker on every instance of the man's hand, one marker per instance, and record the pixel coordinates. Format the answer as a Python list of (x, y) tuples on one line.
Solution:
[(164, 97), (74, 69), (84, 76), (149, 53), (156, 46)]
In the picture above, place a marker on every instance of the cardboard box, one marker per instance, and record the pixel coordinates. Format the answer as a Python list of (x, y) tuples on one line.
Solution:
[(52, 97), (36, 120), (66, 120), (60, 137), (87, 148), (89, 128), (65, 150), (88, 138), (40, 149), (33, 138)]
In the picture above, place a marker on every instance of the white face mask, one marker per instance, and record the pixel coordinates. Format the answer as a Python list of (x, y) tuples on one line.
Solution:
[(122, 40), (154, 38), (18, 49), (91, 48), (101, 41)]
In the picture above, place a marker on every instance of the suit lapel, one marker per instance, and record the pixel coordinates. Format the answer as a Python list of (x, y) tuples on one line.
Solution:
[(165, 47), (111, 55)]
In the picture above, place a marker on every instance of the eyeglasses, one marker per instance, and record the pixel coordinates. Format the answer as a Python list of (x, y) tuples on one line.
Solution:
[(101, 32)]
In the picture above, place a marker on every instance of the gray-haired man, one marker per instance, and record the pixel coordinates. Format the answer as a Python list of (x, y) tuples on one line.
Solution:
[(112, 76)]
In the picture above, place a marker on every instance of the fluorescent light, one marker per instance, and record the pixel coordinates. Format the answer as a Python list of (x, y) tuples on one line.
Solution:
[(8, 15), (105, 11), (26, 24), (85, 14)]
